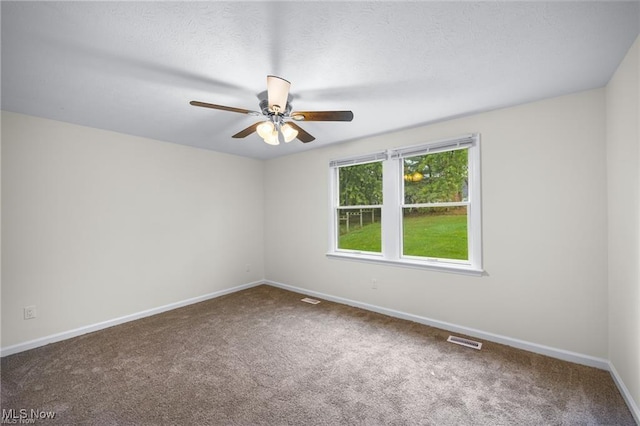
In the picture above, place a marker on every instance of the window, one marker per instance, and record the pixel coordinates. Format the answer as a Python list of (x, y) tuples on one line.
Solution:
[(357, 204), (359, 207), (417, 206)]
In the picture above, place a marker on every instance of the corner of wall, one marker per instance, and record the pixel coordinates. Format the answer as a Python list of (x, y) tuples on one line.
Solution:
[(623, 204)]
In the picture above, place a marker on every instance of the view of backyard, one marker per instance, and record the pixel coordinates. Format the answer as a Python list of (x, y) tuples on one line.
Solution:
[(441, 236), (434, 206)]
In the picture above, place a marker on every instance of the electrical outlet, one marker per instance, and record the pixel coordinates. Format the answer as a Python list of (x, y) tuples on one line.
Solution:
[(374, 283), (29, 312)]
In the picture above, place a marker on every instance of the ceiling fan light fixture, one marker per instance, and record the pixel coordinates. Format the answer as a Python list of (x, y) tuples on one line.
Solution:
[(272, 138), (265, 129), (288, 132), (278, 93)]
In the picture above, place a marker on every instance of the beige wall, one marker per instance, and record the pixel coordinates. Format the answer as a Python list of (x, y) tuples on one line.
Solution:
[(623, 165), (97, 225), (544, 228)]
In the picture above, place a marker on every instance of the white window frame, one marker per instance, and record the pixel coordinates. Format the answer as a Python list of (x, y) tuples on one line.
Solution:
[(335, 197), (393, 202)]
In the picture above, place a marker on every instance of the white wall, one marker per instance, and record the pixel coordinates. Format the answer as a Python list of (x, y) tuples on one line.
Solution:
[(544, 227), (97, 225), (623, 165)]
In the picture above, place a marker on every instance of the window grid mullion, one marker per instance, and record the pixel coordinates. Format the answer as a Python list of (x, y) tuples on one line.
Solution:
[(446, 204), (391, 225), (372, 206)]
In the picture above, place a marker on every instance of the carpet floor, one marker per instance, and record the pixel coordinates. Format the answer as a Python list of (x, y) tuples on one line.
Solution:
[(261, 356)]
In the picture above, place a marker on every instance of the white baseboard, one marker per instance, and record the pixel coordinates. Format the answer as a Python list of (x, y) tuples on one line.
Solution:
[(562, 354), (631, 403), (20, 347)]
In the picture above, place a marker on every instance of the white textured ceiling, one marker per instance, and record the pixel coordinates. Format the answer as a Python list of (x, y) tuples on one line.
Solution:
[(134, 67)]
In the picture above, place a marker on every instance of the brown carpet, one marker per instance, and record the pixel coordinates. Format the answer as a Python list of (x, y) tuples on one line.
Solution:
[(261, 356)]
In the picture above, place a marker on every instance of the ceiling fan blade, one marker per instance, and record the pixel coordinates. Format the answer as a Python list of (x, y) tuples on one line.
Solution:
[(246, 132), (224, 108), (322, 115), (278, 93), (302, 134)]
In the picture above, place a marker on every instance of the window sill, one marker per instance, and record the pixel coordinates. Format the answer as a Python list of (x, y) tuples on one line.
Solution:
[(441, 266)]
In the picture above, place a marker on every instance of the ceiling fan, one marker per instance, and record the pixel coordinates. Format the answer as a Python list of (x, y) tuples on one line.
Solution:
[(276, 110)]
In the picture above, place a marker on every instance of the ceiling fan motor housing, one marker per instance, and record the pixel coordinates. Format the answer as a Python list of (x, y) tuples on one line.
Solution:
[(264, 107)]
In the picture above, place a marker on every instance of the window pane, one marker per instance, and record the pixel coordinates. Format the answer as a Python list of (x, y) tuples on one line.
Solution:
[(436, 178), (361, 184), (437, 232), (359, 229)]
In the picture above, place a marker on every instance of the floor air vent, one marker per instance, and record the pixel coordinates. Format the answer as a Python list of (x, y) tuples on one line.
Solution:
[(465, 342), (310, 300)]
